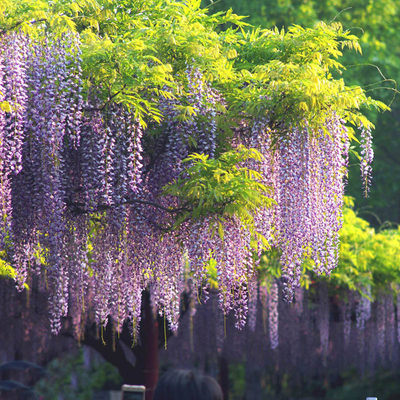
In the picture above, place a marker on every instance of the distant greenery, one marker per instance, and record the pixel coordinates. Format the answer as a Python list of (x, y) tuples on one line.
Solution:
[(67, 376), (383, 385)]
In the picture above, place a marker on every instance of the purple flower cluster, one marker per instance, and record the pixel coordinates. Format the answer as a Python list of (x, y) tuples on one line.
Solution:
[(346, 312), (98, 227), (323, 303), (363, 309), (306, 171), (381, 326), (253, 300), (203, 99), (14, 49), (13, 88)]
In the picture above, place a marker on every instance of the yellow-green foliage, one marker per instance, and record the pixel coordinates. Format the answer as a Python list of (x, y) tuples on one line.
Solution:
[(367, 257), (6, 270), (133, 51), (222, 187), (294, 76)]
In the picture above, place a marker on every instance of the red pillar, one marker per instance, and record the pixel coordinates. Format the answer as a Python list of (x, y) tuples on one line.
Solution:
[(150, 345), (223, 376)]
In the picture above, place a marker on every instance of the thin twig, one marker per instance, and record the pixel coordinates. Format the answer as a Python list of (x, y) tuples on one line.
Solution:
[(337, 15), (101, 108)]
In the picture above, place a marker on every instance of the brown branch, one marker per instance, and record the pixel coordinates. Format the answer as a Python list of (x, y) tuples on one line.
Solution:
[(106, 103), (115, 94), (78, 208)]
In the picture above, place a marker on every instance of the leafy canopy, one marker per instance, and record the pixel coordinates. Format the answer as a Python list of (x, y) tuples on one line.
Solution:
[(376, 70), (136, 52)]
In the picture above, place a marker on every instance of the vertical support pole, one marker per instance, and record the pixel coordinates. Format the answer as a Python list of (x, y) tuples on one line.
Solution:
[(223, 377), (150, 345)]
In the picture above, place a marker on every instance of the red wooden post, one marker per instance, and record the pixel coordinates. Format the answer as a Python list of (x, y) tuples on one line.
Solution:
[(150, 344)]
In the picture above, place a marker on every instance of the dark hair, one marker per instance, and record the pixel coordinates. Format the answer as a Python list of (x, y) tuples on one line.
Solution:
[(183, 384)]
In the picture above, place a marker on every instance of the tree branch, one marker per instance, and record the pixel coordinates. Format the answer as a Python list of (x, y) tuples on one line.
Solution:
[(106, 102), (79, 208)]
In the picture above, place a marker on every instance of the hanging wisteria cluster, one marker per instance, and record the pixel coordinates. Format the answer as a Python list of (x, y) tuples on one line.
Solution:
[(307, 172), (82, 202)]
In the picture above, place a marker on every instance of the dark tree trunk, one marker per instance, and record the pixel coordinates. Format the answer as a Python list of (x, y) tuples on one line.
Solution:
[(253, 381), (116, 354)]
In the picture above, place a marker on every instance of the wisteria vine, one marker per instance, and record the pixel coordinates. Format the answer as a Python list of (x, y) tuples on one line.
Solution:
[(82, 202)]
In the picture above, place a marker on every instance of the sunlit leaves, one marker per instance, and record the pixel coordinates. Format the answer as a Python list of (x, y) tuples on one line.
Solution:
[(222, 187), (6, 270), (289, 76), (132, 48)]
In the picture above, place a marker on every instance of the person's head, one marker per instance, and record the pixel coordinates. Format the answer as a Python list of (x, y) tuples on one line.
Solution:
[(187, 385)]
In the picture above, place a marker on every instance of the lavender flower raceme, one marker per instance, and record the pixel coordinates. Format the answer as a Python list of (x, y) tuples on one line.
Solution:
[(273, 316), (367, 156)]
